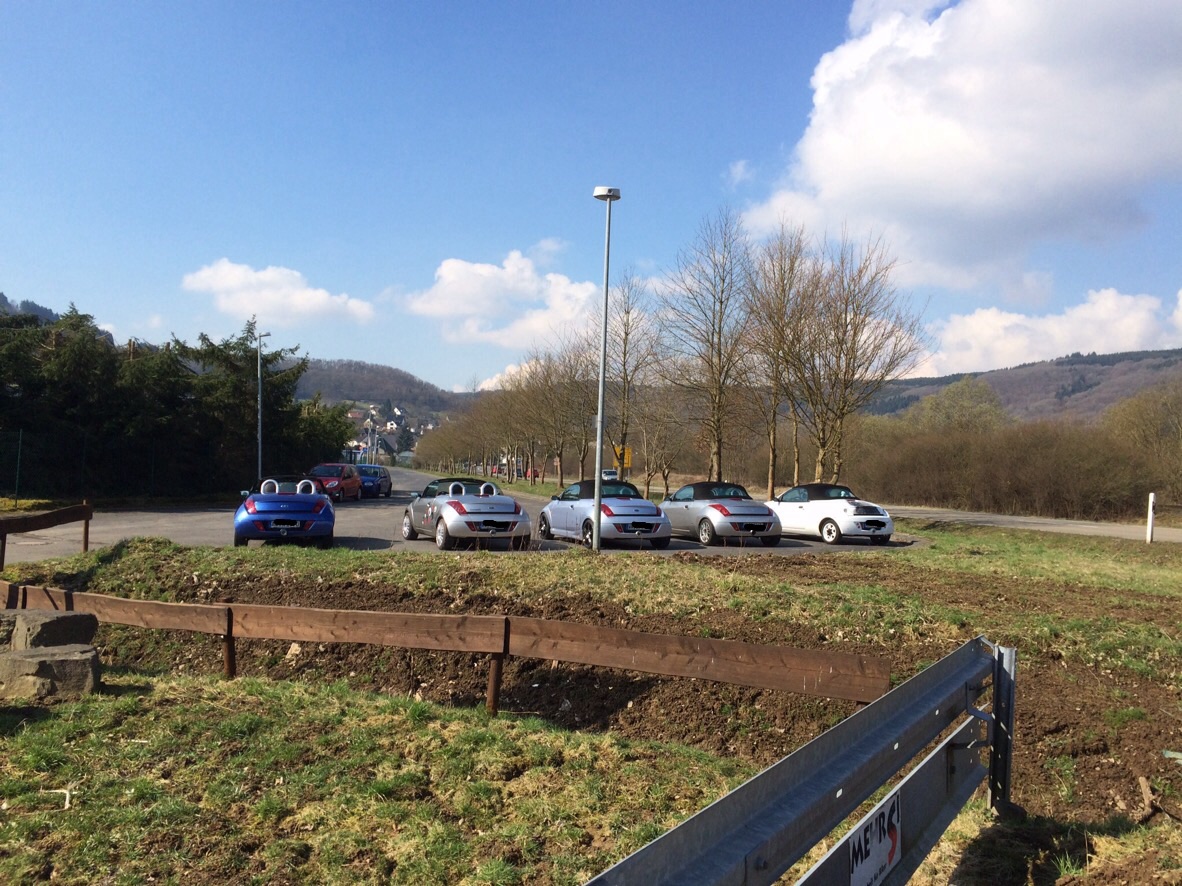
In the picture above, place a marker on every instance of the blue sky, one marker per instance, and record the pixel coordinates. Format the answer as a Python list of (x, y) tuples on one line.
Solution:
[(411, 184)]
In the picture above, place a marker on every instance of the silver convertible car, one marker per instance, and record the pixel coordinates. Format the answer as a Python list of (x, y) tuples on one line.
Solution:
[(832, 512), (461, 508), (714, 512), (624, 514)]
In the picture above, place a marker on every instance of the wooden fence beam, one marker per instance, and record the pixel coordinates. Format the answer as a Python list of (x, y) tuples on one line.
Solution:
[(809, 672)]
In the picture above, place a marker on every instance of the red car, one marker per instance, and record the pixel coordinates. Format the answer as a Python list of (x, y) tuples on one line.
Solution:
[(340, 481)]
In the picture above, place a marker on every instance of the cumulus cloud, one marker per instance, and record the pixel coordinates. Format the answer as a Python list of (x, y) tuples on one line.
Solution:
[(511, 304), (276, 296), (965, 132), (1107, 322)]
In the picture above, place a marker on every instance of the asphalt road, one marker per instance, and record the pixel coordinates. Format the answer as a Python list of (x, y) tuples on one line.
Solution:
[(373, 525)]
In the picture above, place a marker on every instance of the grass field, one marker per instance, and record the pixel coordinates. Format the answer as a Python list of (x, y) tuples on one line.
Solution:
[(302, 772)]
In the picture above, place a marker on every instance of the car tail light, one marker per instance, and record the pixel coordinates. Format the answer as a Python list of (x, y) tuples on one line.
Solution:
[(606, 511), (721, 509), (250, 506), (457, 506), (319, 506)]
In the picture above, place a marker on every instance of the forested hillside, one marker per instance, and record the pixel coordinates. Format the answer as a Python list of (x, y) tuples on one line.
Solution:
[(353, 380), (1078, 386)]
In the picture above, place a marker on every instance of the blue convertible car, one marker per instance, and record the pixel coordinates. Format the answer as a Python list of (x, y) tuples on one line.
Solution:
[(287, 508)]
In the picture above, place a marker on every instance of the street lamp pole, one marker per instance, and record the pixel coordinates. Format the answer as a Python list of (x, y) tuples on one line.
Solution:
[(608, 195), (260, 336)]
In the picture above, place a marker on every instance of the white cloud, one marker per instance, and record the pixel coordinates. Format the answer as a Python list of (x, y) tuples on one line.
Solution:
[(276, 296), (964, 132), (498, 381), (738, 173), (511, 304), (1107, 322)]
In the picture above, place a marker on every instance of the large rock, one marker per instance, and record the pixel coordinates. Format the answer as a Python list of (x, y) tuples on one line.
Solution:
[(70, 670), (37, 628)]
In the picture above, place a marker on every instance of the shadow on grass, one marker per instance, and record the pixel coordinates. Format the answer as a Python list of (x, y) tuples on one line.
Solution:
[(1036, 850)]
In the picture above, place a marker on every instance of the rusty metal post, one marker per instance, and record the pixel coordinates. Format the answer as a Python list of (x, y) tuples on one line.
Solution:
[(229, 651), (496, 667)]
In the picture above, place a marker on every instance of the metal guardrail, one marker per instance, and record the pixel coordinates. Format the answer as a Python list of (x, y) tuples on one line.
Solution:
[(759, 830)]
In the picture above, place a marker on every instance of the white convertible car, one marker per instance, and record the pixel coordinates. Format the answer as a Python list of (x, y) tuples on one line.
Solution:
[(460, 508), (832, 512)]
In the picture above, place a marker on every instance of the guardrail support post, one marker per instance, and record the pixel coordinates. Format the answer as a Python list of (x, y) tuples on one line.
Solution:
[(1001, 737), (1149, 518)]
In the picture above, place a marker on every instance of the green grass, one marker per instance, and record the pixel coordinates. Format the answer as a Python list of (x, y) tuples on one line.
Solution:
[(254, 781)]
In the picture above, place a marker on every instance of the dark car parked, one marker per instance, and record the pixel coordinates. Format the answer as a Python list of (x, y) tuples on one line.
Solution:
[(375, 480)]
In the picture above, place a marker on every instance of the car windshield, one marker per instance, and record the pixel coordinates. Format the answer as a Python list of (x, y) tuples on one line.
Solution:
[(371, 470), (325, 471)]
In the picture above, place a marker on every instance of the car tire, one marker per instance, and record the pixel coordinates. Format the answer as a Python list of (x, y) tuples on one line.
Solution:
[(587, 536), (769, 541), (239, 541), (544, 532), (443, 539), (659, 543), (389, 492), (325, 543), (706, 534), (880, 539), (519, 543), (408, 529), (830, 533), (357, 497)]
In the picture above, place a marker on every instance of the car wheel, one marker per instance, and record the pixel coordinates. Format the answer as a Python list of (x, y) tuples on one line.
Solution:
[(389, 491), (408, 529), (239, 541), (544, 532), (659, 543), (519, 543), (830, 534), (588, 535), (325, 543), (357, 497), (880, 539), (706, 533), (443, 539), (769, 541)]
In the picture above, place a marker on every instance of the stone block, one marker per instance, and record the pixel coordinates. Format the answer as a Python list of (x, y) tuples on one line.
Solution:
[(71, 670), (37, 628)]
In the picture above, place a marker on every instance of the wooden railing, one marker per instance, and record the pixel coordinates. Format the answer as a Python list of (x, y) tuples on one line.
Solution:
[(825, 674), (13, 524)]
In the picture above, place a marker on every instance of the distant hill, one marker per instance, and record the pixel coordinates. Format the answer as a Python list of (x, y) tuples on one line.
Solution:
[(1079, 386), (355, 381), (27, 307)]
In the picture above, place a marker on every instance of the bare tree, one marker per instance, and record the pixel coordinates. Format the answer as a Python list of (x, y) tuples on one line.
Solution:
[(782, 274), (858, 334), (704, 319), (631, 351)]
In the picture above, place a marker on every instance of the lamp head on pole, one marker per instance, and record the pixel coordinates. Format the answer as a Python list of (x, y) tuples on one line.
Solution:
[(609, 194)]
